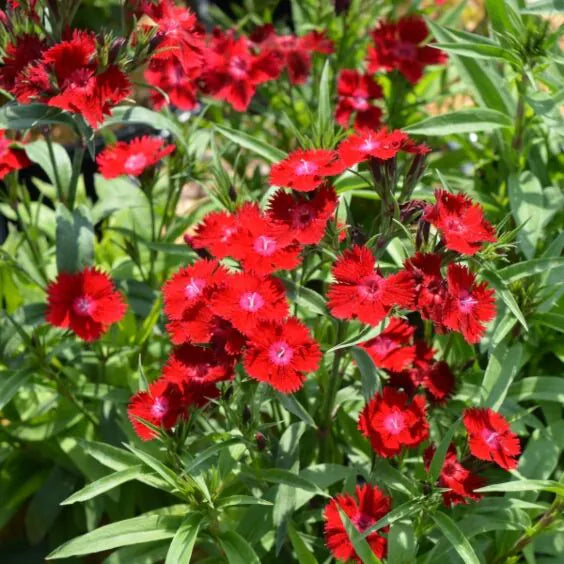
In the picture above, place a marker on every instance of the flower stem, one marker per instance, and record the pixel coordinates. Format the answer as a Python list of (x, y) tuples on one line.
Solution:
[(76, 168)]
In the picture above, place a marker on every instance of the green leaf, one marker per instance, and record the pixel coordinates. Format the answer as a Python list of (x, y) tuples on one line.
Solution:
[(305, 297), (440, 453), (554, 266), (553, 320), (479, 51), (110, 456), (280, 476), (180, 550), (456, 537), (75, 239), (539, 388), (486, 84), (139, 114), (237, 549), (525, 486), (303, 553), (365, 334), (402, 544), (503, 364), (393, 478), (503, 17), (526, 198), (38, 152), (368, 372), (294, 406), (234, 500), (14, 116), (268, 152), (361, 546), (104, 484), (404, 510), (462, 121), (211, 451), (166, 473), (324, 112), (503, 291), (544, 7), (10, 386), (142, 529)]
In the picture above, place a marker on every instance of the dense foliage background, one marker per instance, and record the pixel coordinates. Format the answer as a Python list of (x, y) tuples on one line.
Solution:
[(246, 476)]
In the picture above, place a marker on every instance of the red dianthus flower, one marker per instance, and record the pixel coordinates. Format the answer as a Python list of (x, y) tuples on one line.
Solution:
[(439, 382), (247, 300), (84, 302), (262, 245), (355, 94), (368, 144), (460, 222), (490, 437), (215, 233), (305, 170), (232, 72), (460, 482), (11, 158), (468, 305), (398, 45), (392, 349), (391, 423), (306, 217), (161, 406), (26, 49), (362, 292), (280, 354), (132, 157), (369, 506)]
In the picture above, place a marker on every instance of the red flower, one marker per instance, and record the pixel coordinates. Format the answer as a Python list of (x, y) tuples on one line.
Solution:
[(460, 221), (280, 354), (232, 73), (430, 286), (81, 87), (198, 366), (26, 49), (490, 437), (398, 46), (459, 480), (132, 157), (305, 170), (169, 75), (11, 158), (85, 302), (294, 51), (356, 92), (392, 424), (161, 406), (369, 506), (469, 305), (368, 144), (247, 300), (305, 217), (362, 292), (261, 245), (192, 287), (215, 233), (439, 382), (392, 348)]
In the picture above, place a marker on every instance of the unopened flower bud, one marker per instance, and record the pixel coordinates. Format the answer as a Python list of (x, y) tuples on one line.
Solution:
[(232, 193), (261, 441), (246, 415), (115, 50)]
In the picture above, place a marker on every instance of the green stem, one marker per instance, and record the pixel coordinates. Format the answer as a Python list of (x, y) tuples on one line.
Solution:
[(76, 168), (58, 185)]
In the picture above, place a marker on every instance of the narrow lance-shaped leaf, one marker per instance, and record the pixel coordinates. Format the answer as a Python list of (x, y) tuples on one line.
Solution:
[(182, 545), (456, 537)]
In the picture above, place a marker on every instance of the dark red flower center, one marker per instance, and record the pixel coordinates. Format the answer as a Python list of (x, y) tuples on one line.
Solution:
[(305, 168), (369, 286), (406, 51), (394, 422), (383, 345), (280, 353), (362, 521), (79, 79), (265, 245), (360, 103), (490, 437), (454, 224), (251, 301), (466, 302), (159, 407), (83, 306), (238, 68), (302, 216), (134, 163), (194, 288)]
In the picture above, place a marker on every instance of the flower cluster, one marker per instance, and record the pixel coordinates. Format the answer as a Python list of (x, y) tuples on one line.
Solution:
[(12, 156), (220, 64)]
